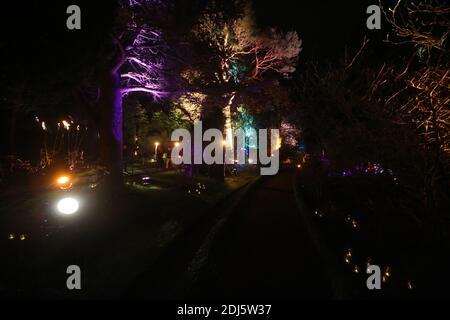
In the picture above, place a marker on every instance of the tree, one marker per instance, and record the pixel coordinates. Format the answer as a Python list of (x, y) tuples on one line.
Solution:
[(342, 120), (239, 59), (139, 66), (422, 100), (244, 52)]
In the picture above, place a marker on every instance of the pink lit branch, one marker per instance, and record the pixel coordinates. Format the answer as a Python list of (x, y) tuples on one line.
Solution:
[(144, 60)]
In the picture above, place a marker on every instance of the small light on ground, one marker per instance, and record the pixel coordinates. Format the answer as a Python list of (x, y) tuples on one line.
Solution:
[(348, 256), (387, 274), (409, 285), (368, 263), (68, 206)]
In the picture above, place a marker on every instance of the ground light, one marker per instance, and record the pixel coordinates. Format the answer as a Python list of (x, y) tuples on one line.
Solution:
[(68, 206), (64, 182)]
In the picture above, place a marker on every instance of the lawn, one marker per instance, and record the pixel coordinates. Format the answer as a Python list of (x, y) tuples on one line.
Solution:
[(112, 240), (362, 220)]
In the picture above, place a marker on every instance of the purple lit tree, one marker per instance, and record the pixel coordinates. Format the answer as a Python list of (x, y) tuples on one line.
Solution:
[(138, 66)]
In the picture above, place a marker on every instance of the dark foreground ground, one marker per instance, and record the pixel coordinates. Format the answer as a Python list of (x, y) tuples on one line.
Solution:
[(265, 250), (252, 244)]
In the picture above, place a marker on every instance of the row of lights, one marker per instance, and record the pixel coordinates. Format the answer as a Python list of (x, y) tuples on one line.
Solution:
[(12, 236), (387, 272)]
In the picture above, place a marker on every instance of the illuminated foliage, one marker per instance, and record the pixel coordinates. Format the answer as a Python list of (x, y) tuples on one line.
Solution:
[(190, 106), (245, 52)]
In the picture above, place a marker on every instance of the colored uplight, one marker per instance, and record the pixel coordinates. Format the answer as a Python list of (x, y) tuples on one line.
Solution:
[(11, 236), (278, 143), (63, 180), (68, 206)]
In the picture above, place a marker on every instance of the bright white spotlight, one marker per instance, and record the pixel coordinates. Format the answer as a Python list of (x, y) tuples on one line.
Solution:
[(68, 206)]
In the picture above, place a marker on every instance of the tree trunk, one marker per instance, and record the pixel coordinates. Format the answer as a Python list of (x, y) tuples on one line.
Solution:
[(213, 117), (111, 128)]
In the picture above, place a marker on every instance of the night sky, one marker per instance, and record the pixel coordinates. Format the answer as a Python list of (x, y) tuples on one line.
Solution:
[(36, 45), (326, 27)]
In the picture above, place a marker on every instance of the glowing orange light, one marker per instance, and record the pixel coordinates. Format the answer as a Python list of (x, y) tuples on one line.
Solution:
[(63, 180)]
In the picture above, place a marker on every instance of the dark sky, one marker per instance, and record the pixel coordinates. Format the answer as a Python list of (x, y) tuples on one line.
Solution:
[(38, 27), (35, 33), (325, 26)]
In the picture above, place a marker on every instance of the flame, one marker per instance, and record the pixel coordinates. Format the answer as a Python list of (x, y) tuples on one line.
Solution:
[(66, 125)]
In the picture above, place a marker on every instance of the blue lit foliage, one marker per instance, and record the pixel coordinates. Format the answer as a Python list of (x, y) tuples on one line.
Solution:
[(244, 120)]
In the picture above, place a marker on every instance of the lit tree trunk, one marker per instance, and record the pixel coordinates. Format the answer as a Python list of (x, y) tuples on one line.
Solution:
[(111, 129), (228, 130)]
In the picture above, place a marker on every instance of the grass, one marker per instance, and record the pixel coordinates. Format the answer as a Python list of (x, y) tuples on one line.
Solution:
[(375, 218), (112, 240)]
